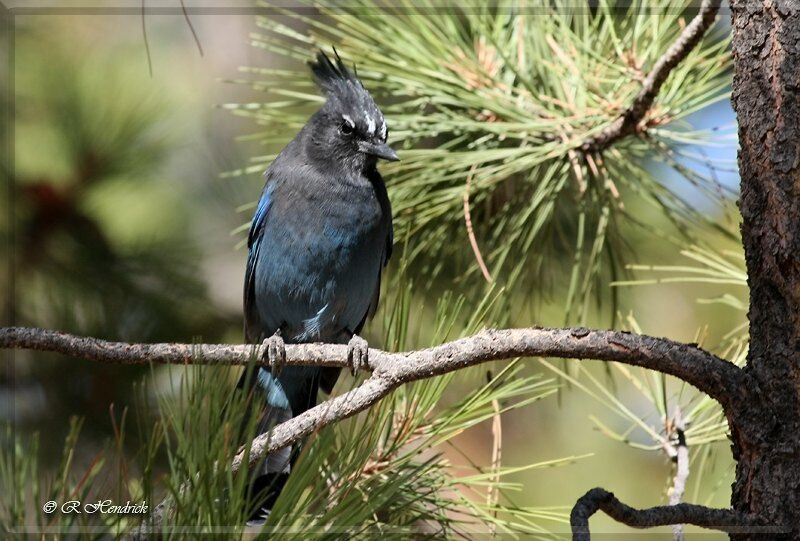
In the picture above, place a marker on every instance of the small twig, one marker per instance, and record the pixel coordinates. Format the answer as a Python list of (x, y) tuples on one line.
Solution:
[(577, 170), (681, 469), (191, 27), (468, 221), (575, 163), (629, 121), (146, 43), (598, 499), (608, 182), (492, 493), (520, 42)]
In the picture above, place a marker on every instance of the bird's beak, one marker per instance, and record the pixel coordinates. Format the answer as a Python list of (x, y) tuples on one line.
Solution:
[(380, 150)]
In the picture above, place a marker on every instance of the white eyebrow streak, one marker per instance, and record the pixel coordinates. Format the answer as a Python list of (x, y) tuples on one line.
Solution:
[(383, 130), (349, 120), (370, 126)]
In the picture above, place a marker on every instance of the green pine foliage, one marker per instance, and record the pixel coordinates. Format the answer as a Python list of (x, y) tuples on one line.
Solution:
[(651, 427), (501, 96), (385, 472), (491, 104)]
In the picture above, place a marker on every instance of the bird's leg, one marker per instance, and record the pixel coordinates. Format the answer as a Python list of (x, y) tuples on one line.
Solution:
[(275, 353), (357, 353)]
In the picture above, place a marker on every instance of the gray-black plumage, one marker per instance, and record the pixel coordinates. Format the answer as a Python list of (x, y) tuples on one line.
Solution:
[(319, 239)]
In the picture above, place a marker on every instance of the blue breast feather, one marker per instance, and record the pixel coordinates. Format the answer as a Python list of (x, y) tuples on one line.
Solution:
[(313, 272), (315, 259)]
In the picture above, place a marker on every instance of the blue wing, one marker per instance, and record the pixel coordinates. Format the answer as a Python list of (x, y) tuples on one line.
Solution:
[(315, 288), (251, 323), (383, 196)]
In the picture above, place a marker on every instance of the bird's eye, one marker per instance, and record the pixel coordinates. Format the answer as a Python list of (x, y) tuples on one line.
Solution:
[(346, 128)]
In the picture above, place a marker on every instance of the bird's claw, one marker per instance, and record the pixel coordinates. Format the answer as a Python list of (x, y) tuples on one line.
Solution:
[(357, 354), (275, 353)]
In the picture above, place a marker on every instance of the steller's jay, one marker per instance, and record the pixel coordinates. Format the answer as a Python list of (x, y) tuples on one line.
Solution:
[(319, 239)]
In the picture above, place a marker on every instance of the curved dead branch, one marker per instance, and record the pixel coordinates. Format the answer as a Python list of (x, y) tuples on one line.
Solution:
[(598, 499)]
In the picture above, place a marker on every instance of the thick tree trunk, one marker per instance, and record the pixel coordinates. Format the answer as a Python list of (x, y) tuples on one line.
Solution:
[(766, 97)]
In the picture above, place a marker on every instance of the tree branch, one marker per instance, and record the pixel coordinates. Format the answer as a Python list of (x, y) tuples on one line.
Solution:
[(717, 378), (470, 231), (629, 121), (598, 499), (710, 374)]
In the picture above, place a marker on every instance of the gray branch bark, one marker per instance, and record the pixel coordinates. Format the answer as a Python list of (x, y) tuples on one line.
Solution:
[(710, 374), (629, 121), (716, 377)]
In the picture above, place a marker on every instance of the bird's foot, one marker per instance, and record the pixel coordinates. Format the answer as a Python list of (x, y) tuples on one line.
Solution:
[(275, 353), (357, 354)]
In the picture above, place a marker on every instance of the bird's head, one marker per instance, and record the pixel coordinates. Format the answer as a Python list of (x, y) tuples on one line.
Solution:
[(349, 128)]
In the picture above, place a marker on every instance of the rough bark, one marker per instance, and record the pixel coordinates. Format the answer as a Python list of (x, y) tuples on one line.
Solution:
[(599, 499), (766, 97)]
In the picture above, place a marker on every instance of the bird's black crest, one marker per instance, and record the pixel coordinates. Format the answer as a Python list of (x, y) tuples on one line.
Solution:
[(347, 99), (333, 77)]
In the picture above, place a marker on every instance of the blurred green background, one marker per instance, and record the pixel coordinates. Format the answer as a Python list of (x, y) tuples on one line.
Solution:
[(123, 227)]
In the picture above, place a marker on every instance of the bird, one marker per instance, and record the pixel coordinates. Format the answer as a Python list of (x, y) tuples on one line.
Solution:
[(319, 240)]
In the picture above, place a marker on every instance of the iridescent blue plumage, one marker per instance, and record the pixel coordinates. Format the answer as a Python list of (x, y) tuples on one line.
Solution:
[(320, 236)]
